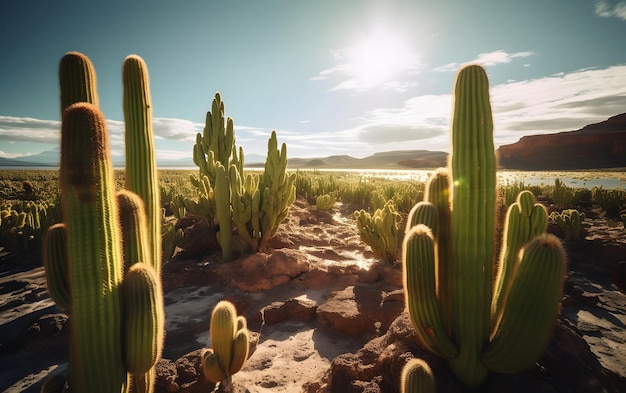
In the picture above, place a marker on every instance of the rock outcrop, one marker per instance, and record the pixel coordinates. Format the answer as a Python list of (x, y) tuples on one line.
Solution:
[(599, 145)]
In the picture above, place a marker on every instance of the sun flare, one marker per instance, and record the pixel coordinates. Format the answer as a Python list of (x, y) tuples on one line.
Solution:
[(380, 57)]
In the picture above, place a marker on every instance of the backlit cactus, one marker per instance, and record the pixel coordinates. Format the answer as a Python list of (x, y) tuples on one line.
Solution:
[(569, 221), (141, 174), (449, 253), (380, 230), (229, 337), (117, 320)]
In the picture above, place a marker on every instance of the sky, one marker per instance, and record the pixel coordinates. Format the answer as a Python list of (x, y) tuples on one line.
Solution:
[(331, 77)]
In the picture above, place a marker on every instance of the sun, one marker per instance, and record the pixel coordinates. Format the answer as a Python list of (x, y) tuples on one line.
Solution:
[(380, 57)]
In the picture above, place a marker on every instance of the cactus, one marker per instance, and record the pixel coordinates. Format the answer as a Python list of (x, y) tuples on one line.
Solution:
[(569, 220), (117, 321), (229, 337), (77, 77), (380, 230), (448, 256), (94, 252), (325, 202), (417, 377), (259, 205), (141, 174), (215, 148)]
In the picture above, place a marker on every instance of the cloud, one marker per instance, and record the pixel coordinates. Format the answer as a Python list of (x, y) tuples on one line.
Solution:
[(606, 9), (26, 129), (488, 59), (176, 129)]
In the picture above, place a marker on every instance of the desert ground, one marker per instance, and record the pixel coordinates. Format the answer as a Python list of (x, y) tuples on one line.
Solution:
[(325, 316)]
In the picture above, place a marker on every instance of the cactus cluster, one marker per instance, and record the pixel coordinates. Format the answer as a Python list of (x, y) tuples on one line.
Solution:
[(112, 292), (253, 205), (230, 341), (456, 309), (23, 224), (569, 221), (380, 230)]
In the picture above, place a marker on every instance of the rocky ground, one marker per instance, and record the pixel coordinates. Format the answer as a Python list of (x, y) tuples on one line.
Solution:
[(326, 316)]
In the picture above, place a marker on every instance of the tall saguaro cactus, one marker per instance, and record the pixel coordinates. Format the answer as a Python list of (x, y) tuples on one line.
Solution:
[(94, 252), (141, 174), (449, 252), (113, 294)]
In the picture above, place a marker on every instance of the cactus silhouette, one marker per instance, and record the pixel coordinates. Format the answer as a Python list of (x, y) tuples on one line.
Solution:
[(457, 311)]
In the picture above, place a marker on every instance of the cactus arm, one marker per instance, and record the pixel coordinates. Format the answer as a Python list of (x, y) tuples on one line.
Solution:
[(133, 224), (419, 274), (90, 211), (530, 308), (141, 173), (222, 203), (77, 77), (524, 221), (56, 263), (144, 318), (438, 194)]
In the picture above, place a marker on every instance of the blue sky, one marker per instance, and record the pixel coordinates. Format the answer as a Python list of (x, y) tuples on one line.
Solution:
[(331, 77)]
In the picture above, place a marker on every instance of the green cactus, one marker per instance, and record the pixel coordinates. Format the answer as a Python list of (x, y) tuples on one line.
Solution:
[(141, 174), (56, 264), (449, 252), (222, 203), (229, 337), (77, 77), (569, 221), (325, 202), (94, 252), (215, 147), (417, 378), (380, 230), (117, 322)]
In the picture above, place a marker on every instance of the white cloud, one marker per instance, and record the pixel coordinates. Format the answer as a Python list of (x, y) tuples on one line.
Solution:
[(27, 129), (488, 59), (606, 9)]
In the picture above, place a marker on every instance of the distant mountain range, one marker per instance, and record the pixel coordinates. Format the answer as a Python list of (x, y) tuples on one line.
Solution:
[(595, 146)]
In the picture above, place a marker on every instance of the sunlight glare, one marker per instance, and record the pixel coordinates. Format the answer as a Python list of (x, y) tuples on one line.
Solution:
[(379, 57)]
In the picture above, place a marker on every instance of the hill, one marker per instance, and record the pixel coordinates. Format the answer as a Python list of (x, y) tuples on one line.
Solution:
[(595, 146)]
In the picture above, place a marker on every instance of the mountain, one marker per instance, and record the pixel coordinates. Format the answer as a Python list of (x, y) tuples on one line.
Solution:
[(402, 159), (595, 146)]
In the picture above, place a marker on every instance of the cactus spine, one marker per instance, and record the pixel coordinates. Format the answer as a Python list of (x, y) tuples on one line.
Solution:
[(448, 264), (141, 174), (229, 336)]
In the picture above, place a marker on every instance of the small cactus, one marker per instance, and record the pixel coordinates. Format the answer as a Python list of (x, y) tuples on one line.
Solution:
[(229, 337), (380, 230), (417, 377)]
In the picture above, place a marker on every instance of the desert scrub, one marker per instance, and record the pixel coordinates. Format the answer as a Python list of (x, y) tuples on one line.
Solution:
[(569, 221), (381, 231)]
